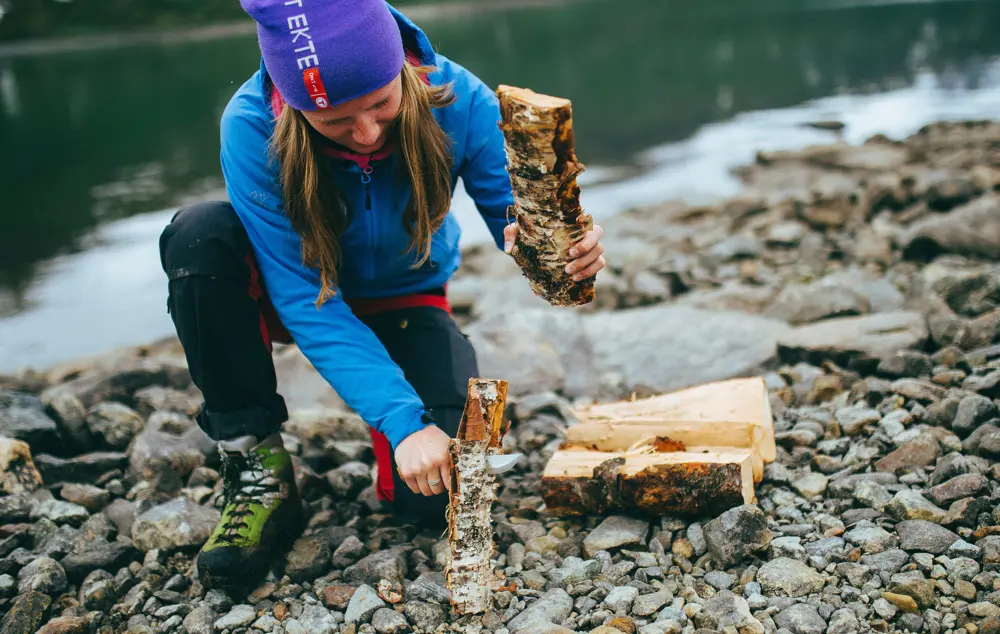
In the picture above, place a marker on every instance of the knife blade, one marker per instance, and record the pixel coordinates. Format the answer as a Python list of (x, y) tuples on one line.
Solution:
[(501, 463)]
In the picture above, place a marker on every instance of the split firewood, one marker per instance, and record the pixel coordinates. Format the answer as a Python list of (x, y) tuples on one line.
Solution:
[(734, 413), (470, 570), (538, 133), (682, 483)]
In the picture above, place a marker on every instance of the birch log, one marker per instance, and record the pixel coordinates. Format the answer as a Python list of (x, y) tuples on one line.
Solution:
[(469, 573), (538, 134)]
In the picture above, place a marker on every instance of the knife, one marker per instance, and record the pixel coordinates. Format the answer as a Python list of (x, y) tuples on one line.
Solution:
[(501, 463)]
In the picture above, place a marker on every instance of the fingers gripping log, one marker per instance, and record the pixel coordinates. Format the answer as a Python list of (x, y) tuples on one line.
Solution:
[(538, 134), (470, 571)]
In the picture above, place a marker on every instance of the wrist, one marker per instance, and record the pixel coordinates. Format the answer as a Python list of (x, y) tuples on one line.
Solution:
[(397, 436)]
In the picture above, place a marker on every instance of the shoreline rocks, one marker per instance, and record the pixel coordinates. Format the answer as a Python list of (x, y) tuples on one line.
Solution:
[(849, 277)]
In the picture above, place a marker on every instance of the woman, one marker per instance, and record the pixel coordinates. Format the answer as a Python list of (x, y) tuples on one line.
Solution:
[(340, 155)]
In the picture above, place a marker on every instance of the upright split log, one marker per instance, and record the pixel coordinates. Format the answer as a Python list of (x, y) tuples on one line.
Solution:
[(538, 133), (469, 573)]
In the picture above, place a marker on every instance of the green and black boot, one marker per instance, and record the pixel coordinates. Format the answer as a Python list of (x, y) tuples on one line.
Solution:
[(261, 518)]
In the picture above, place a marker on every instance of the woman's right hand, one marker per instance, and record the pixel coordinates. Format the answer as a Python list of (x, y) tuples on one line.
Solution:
[(423, 461)]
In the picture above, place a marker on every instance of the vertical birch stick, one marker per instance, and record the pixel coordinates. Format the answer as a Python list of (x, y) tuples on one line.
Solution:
[(538, 135), (470, 574)]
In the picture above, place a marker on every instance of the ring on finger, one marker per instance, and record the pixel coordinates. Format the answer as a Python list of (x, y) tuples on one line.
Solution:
[(433, 482)]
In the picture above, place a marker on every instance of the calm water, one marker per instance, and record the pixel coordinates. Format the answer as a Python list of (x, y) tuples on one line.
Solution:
[(98, 147)]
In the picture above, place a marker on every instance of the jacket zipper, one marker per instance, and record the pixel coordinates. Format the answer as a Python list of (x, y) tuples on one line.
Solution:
[(366, 179)]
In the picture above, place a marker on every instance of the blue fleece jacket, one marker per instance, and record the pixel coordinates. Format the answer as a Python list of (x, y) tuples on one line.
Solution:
[(375, 258)]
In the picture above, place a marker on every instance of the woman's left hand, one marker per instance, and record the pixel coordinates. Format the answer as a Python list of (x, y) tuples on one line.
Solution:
[(586, 254)]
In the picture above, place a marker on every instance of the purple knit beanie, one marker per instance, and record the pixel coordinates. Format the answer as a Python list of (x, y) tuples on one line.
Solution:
[(320, 53)]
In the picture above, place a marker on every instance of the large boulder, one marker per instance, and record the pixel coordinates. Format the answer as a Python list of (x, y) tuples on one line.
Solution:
[(972, 230), (608, 353), (844, 340)]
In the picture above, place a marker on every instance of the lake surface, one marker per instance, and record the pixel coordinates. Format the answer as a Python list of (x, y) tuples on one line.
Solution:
[(100, 146)]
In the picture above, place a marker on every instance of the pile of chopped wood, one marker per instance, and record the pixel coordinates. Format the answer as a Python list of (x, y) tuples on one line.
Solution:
[(697, 451)]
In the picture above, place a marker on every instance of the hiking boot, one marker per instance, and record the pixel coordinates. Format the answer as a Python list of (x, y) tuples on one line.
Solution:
[(262, 515)]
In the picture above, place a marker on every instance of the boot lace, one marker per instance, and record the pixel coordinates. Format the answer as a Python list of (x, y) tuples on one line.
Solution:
[(245, 482)]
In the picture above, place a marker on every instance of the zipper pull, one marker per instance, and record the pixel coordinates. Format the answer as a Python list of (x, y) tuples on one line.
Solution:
[(366, 177)]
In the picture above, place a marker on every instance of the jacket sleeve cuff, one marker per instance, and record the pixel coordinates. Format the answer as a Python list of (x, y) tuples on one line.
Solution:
[(397, 433)]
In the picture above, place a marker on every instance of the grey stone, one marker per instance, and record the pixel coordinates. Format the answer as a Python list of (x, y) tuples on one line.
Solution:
[(239, 616), (97, 554), (22, 417), (871, 539), (266, 623), (387, 621), (179, 523), (92, 498), (728, 610), (913, 584), (60, 512), (806, 303), (114, 424), (855, 418), (550, 608), (200, 620), (720, 579), (844, 621), (168, 450), (318, 620), (429, 587), (620, 599), (973, 411), (737, 533), (963, 549), (574, 571), (910, 505), (843, 339), (616, 531), (972, 229), (956, 464), (44, 575), (801, 618), (788, 546), (384, 564), (425, 616), (924, 536), (308, 558), (696, 535), (890, 561), (873, 495), (363, 605), (647, 604), (730, 344), (349, 479), (962, 486), (784, 577), (811, 485)]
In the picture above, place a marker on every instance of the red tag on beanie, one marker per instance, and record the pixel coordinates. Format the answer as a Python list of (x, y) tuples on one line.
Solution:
[(315, 88)]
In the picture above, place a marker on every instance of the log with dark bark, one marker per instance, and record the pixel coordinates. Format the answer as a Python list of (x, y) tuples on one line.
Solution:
[(538, 133), (470, 571), (692, 483)]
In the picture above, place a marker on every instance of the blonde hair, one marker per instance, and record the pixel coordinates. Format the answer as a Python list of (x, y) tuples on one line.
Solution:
[(316, 207)]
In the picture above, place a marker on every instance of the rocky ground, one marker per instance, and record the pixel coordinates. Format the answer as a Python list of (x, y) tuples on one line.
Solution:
[(862, 282)]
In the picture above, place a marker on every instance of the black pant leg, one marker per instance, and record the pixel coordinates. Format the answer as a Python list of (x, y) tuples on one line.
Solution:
[(205, 253), (438, 361)]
